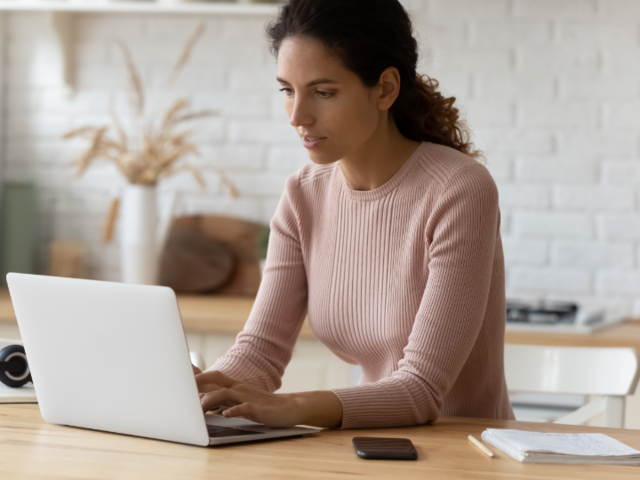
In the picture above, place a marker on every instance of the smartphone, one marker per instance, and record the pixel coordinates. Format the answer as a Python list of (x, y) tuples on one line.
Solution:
[(385, 448)]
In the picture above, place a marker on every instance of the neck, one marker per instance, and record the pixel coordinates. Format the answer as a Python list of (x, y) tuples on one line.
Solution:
[(376, 161)]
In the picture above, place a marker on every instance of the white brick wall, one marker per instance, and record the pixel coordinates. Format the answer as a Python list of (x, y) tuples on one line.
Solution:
[(552, 225), (592, 255), (554, 8), (550, 88)]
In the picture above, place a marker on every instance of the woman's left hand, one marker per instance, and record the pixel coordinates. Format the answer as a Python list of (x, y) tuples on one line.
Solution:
[(236, 399)]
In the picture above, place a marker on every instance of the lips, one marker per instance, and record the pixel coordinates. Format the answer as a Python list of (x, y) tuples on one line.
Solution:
[(311, 142), (312, 138)]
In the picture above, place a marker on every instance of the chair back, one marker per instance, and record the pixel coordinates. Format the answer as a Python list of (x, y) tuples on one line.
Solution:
[(571, 370)]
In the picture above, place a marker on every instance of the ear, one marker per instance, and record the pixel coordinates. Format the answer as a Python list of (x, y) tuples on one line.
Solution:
[(389, 88)]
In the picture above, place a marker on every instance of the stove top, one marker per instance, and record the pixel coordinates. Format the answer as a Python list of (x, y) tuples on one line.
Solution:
[(542, 312), (560, 316)]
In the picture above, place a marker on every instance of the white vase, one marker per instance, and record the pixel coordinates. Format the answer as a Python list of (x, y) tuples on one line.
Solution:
[(138, 226)]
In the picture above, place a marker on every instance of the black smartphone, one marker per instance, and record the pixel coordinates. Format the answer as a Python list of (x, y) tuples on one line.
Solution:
[(385, 448)]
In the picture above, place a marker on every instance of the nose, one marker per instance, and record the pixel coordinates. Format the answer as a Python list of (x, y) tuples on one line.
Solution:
[(300, 114)]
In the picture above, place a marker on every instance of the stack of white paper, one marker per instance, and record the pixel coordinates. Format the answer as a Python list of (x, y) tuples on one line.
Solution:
[(24, 394), (533, 447)]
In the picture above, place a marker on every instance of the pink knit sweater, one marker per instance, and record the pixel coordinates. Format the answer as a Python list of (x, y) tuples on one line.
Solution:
[(406, 280)]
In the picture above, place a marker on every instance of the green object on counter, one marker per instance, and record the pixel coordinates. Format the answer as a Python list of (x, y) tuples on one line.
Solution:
[(263, 242), (18, 229)]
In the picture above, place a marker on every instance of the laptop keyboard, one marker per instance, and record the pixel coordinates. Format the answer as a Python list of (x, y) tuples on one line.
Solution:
[(216, 431)]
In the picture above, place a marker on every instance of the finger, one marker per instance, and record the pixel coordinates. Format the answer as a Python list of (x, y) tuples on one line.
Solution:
[(246, 410), (216, 411), (223, 397), (218, 400), (196, 370), (208, 387), (216, 377)]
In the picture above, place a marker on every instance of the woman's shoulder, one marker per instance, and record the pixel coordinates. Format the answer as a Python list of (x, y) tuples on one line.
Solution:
[(309, 174), (450, 167), (313, 172)]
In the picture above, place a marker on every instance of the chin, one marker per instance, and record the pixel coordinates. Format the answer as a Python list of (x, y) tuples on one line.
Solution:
[(320, 158)]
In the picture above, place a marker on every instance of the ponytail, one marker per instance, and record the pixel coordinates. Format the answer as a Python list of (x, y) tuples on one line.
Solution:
[(422, 113)]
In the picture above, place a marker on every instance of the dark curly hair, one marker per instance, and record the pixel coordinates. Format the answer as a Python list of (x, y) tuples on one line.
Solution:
[(369, 36)]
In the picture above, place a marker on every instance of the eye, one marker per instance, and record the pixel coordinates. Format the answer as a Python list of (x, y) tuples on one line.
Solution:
[(287, 91), (322, 94)]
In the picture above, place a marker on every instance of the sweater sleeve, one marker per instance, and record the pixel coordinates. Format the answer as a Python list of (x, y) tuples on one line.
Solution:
[(264, 348), (461, 236)]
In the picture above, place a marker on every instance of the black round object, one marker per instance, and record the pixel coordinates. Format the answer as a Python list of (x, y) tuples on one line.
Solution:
[(18, 374)]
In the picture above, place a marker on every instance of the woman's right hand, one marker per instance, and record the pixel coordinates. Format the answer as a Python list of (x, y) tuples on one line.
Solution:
[(196, 370)]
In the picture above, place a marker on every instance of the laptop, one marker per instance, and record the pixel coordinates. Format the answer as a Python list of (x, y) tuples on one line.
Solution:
[(113, 357)]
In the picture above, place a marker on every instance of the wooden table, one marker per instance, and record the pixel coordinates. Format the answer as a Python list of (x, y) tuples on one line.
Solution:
[(32, 449)]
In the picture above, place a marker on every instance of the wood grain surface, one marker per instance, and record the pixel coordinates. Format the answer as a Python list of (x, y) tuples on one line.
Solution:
[(7, 315), (200, 313), (626, 334), (32, 449)]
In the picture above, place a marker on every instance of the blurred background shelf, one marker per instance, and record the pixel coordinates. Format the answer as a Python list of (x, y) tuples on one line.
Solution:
[(223, 8)]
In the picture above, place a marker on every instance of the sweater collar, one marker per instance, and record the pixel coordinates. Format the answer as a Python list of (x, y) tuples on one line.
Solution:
[(386, 188)]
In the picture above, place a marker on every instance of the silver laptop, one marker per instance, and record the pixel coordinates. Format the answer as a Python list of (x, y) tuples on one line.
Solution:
[(113, 357)]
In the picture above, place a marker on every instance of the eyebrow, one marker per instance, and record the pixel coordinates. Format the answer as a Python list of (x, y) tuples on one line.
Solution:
[(311, 83)]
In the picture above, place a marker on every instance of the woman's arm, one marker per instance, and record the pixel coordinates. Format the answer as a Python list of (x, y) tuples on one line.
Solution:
[(240, 383), (264, 347)]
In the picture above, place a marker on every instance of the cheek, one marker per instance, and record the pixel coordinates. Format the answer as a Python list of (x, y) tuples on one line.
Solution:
[(348, 125), (354, 122)]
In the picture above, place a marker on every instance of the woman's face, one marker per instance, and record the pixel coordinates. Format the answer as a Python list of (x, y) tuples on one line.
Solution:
[(329, 106)]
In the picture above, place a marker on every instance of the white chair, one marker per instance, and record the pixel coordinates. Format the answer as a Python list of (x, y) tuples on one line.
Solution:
[(611, 373)]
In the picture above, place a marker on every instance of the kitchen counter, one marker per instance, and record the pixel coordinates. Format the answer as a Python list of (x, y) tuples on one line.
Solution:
[(227, 315), (200, 313)]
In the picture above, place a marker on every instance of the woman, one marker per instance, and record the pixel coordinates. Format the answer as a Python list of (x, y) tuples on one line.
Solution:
[(389, 239)]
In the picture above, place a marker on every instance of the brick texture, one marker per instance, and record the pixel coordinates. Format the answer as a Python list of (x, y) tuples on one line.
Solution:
[(592, 255)]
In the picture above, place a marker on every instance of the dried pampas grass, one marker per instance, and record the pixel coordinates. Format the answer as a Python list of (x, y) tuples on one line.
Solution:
[(136, 90), (186, 53), (148, 153)]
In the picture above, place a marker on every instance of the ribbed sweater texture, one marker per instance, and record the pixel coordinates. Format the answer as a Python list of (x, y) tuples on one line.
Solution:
[(406, 280)]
